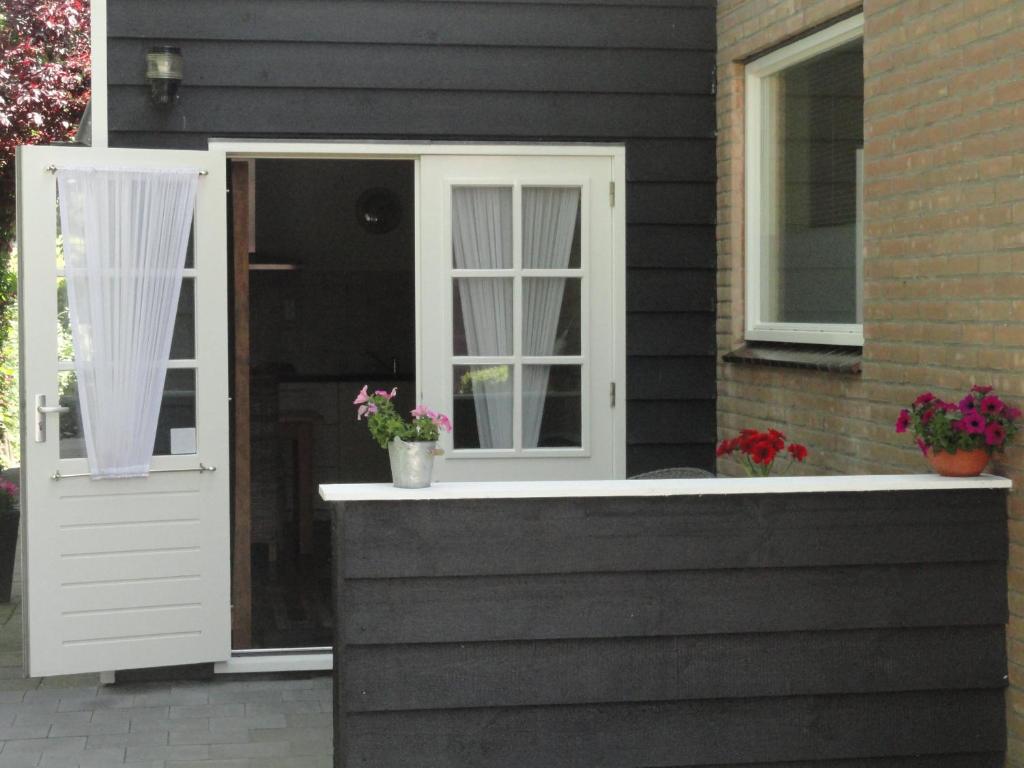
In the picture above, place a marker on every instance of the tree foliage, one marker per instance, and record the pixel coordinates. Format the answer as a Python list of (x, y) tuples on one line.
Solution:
[(44, 88)]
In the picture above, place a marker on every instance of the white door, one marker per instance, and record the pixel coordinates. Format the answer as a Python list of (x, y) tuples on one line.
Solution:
[(521, 314), (123, 574)]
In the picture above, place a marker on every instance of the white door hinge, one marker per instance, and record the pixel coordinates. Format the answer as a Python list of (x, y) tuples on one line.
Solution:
[(611, 394), (611, 193)]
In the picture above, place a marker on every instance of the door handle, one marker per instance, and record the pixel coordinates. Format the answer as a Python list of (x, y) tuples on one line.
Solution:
[(41, 410)]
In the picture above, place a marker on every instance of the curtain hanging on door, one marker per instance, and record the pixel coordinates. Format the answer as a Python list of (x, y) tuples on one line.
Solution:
[(125, 240)]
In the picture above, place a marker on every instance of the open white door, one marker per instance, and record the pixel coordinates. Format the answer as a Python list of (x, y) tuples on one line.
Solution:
[(132, 573)]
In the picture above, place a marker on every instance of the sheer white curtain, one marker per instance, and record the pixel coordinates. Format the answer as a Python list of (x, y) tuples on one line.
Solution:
[(125, 237), (482, 239), (549, 223)]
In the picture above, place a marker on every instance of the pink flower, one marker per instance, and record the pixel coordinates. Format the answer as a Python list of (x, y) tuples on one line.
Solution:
[(973, 423), (386, 395), (419, 411), (922, 446), (995, 433), (927, 416), (966, 404), (443, 422), (362, 397), (991, 404), (926, 397), (980, 389), (364, 410), (903, 421), (1012, 413)]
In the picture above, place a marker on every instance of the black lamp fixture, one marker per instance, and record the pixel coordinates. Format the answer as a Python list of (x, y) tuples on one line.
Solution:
[(163, 72)]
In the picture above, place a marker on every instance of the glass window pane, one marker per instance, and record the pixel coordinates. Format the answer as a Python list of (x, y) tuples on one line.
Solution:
[(813, 127), (552, 406), (183, 342), (551, 316), (482, 227), (482, 312), (177, 412), (482, 413), (551, 227), (72, 437), (64, 349)]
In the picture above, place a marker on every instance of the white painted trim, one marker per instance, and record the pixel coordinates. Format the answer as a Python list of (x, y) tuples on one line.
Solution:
[(756, 71), (629, 488), (400, 150), (261, 663), (98, 84)]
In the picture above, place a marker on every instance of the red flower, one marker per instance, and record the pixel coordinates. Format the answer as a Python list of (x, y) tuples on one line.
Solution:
[(725, 447), (921, 444), (995, 433), (797, 451), (973, 423), (903, 421), (763, 452), (923, 398), (980, 389), (991, 404)]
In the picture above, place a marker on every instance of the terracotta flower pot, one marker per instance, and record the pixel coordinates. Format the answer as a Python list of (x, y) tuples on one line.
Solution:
[(959, 464)]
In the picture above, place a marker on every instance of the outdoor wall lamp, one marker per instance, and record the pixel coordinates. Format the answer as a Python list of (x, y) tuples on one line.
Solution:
[(163, 72)]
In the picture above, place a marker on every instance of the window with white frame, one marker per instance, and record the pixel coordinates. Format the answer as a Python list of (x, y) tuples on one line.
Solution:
[(804, 158)]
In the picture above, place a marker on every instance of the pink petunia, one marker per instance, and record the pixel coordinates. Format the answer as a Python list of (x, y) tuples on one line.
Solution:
[(995, 433), (923, 398), (362, 397), (364, 410), (982, 390), (385, 394), (991, 404), (419, 411), (922, 446), (973, 423), (443, 422), (966, 404), (903, 421), (1012, 413)]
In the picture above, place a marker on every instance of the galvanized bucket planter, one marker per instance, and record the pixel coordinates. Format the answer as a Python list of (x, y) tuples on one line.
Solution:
[(412, 464)]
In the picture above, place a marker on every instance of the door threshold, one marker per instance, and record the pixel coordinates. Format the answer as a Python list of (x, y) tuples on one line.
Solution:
[(248, 662)]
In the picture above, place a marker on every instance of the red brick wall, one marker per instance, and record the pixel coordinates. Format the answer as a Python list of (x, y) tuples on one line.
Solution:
[(944, 242)]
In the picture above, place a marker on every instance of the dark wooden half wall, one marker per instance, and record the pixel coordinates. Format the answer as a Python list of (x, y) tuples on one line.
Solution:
[(792, 629)]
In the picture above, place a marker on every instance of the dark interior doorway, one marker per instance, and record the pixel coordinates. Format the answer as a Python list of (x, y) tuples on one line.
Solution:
[(329, 292)]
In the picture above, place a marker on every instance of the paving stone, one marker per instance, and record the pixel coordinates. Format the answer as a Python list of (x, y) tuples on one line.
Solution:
[(178, 698), (89, 729), (171, 726), (105, 740), (179, 752), (318, 720), (39, 746), (282, 708), (293, 761), (30, 717), (237, 709), (242, 763), (238, 723), (20, 760), (258, 749), (135, 714), (96, 758), (256, 695), (100, 702), (294, 735), (23, 732), (210, 737)]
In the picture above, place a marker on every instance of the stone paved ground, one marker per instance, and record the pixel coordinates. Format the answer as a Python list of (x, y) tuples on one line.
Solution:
[(230, 722)]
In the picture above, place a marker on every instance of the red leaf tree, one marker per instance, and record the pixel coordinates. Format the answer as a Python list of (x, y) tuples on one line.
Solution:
[(44, 87)]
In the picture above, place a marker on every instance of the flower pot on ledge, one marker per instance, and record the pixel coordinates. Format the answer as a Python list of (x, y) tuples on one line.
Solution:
[(959, 464)]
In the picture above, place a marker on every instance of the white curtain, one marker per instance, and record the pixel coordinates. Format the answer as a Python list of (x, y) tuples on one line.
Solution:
[(549, 223), (125, 237), (482, 239)]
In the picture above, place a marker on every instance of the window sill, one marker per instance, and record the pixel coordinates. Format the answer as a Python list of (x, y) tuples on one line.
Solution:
[(816, 357)]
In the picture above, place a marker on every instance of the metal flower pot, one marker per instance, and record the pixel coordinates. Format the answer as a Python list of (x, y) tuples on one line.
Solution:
[(412, 464)]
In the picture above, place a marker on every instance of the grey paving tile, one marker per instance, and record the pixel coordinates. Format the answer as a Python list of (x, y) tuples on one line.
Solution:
[(258, 749), (237, 709), (19, 760), (282, 708), (88, 729), (315, 694), (237, 723), (135, 714), (171, 726), (210, 737), (60, 694), (11, 696), (40, 746), (172, 697), (179, 752), (23, 732), (243, 763), (143, 764), (96, 758), (318, 720), (293, 761), (255, 695), (21, 709), (294, 735), (100, 702), (30, 717), (106, 740)]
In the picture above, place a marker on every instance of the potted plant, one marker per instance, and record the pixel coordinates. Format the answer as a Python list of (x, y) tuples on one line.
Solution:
[(9, 520), (958, 439), (412, 444), (756, 451)]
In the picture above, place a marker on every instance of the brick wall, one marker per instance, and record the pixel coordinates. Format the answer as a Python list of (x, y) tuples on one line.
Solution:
[(944, 242)]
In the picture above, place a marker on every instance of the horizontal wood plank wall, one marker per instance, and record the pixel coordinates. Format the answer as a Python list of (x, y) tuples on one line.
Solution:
[(848, 629), (636, 71)]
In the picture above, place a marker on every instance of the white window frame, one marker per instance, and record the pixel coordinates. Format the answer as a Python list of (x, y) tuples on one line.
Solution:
[(847, 334)]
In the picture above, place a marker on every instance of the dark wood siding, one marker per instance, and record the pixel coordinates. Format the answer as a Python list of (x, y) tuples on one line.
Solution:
[(491, 70), (847, 629)]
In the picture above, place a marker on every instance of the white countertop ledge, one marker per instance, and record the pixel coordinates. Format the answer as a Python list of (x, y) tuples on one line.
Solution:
[(722, 486)]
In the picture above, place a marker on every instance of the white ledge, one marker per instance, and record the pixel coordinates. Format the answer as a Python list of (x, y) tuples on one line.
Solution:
[(701, 487)]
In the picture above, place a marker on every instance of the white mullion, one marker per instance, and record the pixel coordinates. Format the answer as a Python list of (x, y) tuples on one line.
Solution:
[(517, 316), (570, 273), (553, 359), (458, 274), (586, 385)]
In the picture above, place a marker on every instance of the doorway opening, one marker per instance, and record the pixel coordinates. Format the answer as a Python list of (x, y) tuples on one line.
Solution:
[(323, 302)]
